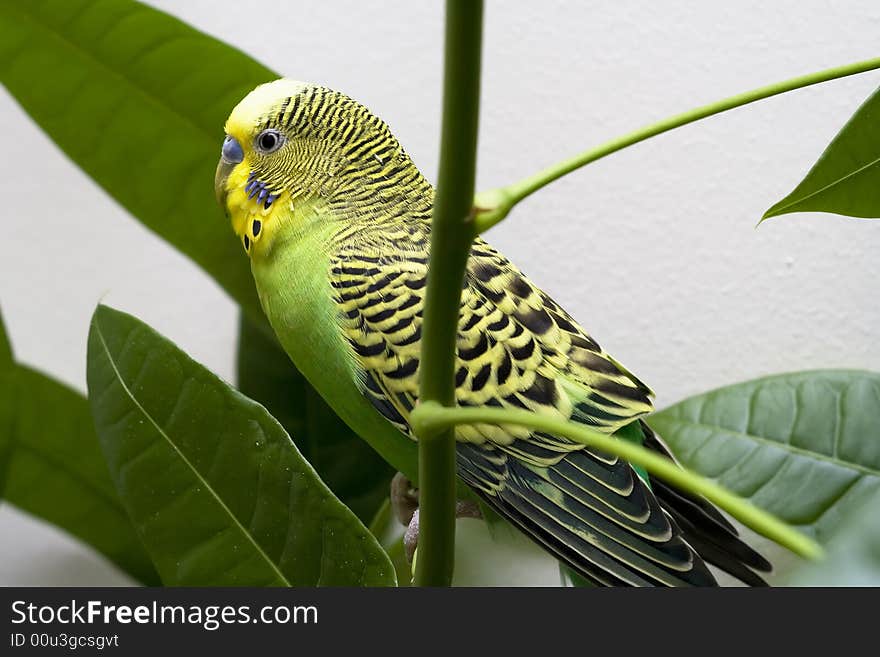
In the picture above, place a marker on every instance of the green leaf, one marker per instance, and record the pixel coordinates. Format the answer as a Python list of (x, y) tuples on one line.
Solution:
[(570, 579), (138, 99), (846, 179), (5, 347), (216, 489), (51, 465), (135, 85), (853, 557), (347, 464), (804, 446), (55, 471)]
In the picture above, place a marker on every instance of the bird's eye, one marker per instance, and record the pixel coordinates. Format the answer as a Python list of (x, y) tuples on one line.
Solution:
[(269, 141)]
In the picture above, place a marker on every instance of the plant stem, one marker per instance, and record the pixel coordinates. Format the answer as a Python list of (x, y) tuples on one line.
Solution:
[(433, 417), (495, 204), (452, 232)]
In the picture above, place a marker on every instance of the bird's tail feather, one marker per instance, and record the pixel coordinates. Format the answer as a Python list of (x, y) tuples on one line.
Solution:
[(574, 524), (604, 522), (705, 528)]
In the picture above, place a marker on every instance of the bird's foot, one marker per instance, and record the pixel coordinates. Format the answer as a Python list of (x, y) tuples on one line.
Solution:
[(405, 503)]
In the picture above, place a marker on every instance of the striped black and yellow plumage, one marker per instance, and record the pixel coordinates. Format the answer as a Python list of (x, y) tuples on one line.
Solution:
[(340, 255)]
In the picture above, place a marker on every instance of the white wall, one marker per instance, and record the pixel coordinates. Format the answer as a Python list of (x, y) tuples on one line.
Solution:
[(654, 250)]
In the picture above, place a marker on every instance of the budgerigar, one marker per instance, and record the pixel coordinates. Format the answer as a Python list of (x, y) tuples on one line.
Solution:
[(336, 219)]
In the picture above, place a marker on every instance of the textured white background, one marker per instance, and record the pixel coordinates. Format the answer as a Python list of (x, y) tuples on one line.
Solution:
[(654, 250)]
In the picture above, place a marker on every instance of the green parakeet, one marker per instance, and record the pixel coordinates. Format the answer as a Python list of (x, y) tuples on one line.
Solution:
[(336, 219)]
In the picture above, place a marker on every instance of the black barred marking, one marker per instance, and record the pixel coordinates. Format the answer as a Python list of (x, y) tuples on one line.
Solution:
[(471, 322), (477, 350), (520, 287), (256, 227), (524, 352), (359, 147), (412, 339), (481, 377), (534, 450), (372, 385), (598, 399), (593, 361), (516, 401), (593, 413), (504, 368), (282, 110), (405, 401), (294, 111), (563, 323), (366, 258), (500, 325), (493, 296), (402, 324), (536, 320), (354, 295), (460, 376), (385, 281), (542, 391), (585, 342), (387, 409), (485, 271), (481, 460), (369, 350), (355, 271), (375, 300), (619, 390), (415, 284), (406, 369), (411, 301), (343, 285), (380, 316)]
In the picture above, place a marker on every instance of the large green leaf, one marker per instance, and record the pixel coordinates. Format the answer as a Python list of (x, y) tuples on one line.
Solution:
[(138, 99), (5, 347), (51, 466), (216, 489), (853, 557), (805, 446), (8, 401), (846, 178), (56, 472), (347, 464)]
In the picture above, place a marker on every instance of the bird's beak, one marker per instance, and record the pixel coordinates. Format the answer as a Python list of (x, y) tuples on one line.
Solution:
[(231, 156)]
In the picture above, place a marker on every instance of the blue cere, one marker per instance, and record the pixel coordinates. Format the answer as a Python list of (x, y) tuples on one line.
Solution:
[(232, 151)]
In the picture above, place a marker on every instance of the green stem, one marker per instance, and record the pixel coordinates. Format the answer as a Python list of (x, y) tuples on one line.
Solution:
[(495, 204), (452, 232), (433, 417)]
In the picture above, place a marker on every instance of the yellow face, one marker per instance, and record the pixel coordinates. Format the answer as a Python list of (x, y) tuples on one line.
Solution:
[(249, 182)]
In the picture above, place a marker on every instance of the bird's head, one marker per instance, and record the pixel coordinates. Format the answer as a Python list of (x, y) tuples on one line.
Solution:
[(291, 145)]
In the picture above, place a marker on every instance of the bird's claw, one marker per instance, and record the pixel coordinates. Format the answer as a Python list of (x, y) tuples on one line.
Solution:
[(405, 503)]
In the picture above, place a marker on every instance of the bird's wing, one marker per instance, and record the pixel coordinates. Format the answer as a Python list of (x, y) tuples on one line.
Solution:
[(519, 349), (516, 347)]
